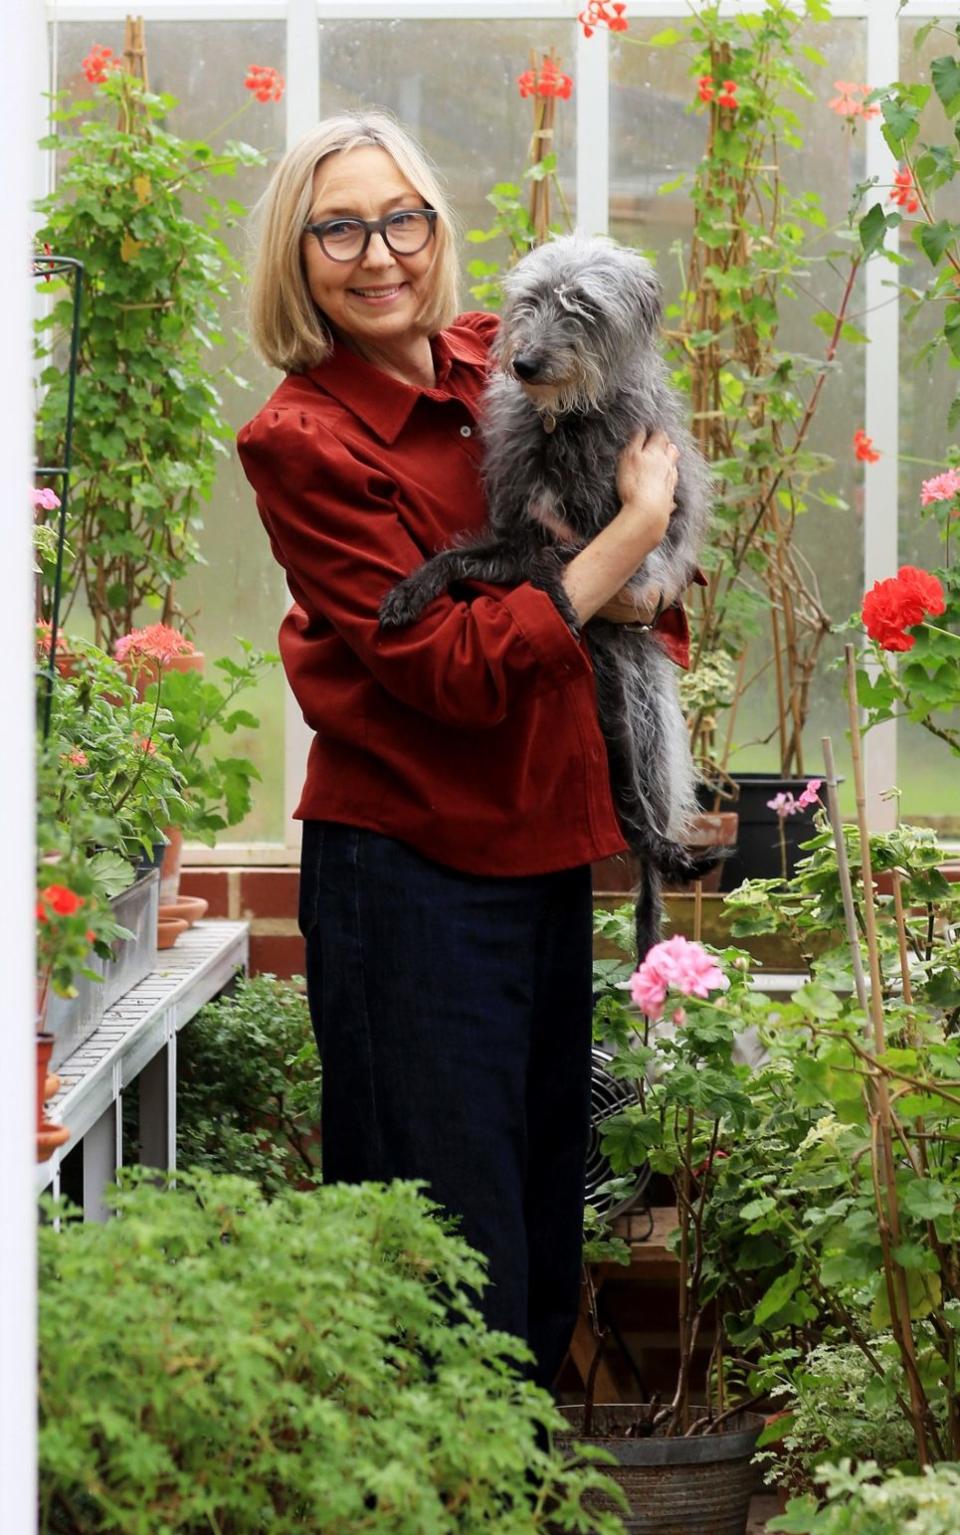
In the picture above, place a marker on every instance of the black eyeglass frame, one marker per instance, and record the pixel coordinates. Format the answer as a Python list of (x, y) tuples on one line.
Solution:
[(371, 227)]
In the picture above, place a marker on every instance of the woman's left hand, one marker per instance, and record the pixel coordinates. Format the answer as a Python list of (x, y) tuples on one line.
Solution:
[(624, 609)]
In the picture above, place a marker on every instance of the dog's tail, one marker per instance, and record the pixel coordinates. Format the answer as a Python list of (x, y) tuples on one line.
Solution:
[(663, 859)]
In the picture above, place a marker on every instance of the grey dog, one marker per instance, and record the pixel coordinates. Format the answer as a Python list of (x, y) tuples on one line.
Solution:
[(580, 374)]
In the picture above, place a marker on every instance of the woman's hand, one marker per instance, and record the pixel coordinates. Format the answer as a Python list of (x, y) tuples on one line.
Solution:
[(647, 484)]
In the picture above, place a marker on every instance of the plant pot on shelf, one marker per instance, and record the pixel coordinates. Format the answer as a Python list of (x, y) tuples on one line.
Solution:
[(187, 908), (698, 1485), (709, 830), (169, 929), (49, 1135), (170, 866), (758, 853)]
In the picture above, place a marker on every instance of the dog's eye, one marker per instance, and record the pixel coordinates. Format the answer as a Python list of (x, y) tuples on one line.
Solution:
[(576, 302)]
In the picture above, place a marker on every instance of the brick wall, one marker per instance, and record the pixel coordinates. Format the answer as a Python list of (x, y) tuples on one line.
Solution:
[(267, 899)]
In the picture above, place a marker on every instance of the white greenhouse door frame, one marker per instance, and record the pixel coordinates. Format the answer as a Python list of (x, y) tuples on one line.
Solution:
[(21, 38)]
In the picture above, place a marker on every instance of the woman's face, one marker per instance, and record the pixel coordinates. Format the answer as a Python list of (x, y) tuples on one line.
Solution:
[(375, 297)]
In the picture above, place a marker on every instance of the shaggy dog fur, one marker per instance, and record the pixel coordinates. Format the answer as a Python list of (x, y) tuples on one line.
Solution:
[(581, 373)]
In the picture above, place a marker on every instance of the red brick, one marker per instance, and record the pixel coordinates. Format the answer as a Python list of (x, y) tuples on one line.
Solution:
[(211, 885), (269, 892), (277, 954)]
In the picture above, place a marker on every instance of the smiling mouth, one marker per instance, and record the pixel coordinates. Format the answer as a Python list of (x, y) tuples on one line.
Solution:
[(377, 295)]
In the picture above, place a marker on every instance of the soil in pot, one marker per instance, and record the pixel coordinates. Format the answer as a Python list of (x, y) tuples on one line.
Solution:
[(700, 1484)]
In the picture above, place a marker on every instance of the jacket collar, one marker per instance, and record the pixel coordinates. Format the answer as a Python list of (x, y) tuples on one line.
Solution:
[(384, 403)]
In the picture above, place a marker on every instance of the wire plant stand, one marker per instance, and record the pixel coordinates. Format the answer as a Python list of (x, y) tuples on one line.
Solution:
[(45, 267)]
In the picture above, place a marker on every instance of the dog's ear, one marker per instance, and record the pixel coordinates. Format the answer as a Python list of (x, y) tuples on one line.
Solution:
[(647, 293)]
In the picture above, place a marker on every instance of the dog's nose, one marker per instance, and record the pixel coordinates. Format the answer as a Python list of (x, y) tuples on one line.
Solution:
[(526, 367)]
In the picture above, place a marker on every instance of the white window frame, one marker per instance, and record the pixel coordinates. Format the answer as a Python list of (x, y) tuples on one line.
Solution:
[(303, 108)]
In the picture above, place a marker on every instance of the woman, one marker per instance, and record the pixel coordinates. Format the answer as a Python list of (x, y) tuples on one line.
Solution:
[(457, 787)]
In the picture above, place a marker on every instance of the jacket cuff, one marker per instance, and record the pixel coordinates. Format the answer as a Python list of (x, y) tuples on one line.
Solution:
[(548, 634)]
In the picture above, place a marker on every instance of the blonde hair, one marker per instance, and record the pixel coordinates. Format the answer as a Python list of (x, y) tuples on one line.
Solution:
[(286, 326)]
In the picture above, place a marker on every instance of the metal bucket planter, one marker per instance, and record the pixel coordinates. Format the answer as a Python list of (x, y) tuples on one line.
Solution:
[(696, 1486), (73, 1019)]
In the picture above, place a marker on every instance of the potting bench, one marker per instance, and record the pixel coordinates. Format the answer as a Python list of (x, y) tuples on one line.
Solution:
[(136, 1042)]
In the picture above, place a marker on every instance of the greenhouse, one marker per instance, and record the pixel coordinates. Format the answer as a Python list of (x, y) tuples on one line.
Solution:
[(482, 923)]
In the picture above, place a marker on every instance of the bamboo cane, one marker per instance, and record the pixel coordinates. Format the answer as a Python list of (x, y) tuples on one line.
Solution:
[(843, 868), (879, 1094)]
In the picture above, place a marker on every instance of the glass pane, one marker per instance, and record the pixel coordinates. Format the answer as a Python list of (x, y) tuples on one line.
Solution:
[(240, 590), (928, 772), (417, 70), (655, 138)]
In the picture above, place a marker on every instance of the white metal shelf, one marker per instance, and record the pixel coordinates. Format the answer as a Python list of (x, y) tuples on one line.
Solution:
[(142, 1027)]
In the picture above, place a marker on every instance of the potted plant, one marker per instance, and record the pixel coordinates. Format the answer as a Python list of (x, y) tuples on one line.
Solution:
[(679, 1461), (216, 785)]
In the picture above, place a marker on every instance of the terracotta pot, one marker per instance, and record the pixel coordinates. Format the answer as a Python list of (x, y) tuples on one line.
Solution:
[(45, 1043), (146, 670), (49, 1138), (187, 908), (170, 867), (169, 930)]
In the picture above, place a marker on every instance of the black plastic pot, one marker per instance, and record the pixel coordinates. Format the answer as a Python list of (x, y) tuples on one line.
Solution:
[(688, 1486), (757, 854)]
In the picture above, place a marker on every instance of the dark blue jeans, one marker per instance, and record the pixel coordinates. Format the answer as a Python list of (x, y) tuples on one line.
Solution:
[(453, 1018)]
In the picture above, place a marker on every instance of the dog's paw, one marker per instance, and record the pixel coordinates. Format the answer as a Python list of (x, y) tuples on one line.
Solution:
[(398, 608)]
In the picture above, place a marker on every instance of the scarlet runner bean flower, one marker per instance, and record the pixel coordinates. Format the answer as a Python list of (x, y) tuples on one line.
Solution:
[(728, 95), (893, 606), (943, 487), (674, 965), (98, 63), (267, 84), (904, 191), (863, 447), (705, 87), (601, 13)]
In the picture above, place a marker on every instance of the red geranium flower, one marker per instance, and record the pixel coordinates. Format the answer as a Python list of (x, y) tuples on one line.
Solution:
[(266, 84), (728, 95), (158, 642), (900, 603), (863, 447), (98, 63), (705, 87), (547, 81), (61, 900), (904, 191), (601, 13)]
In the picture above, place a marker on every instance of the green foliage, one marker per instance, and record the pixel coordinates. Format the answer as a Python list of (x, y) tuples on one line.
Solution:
[(513, 224), (133, 203), (755, 242), (217, 787), (248, 1086), (118, 758), (860, 1503), (312, 1365)]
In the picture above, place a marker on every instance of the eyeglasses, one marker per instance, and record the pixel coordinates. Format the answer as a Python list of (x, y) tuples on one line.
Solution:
[(404, 233)]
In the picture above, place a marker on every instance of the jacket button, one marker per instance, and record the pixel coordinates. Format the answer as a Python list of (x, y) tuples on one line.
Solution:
[(466, 431)]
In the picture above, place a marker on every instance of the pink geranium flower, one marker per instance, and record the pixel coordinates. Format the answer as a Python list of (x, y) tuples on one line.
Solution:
[(45, 500), (157, 642), (784, 804), (941, 488), (675, 965), (810, 795)]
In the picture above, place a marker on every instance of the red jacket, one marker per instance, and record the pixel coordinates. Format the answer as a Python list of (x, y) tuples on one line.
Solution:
[(473, 734)]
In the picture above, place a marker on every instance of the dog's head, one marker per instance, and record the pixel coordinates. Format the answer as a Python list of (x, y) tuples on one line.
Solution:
[(574, 310)]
